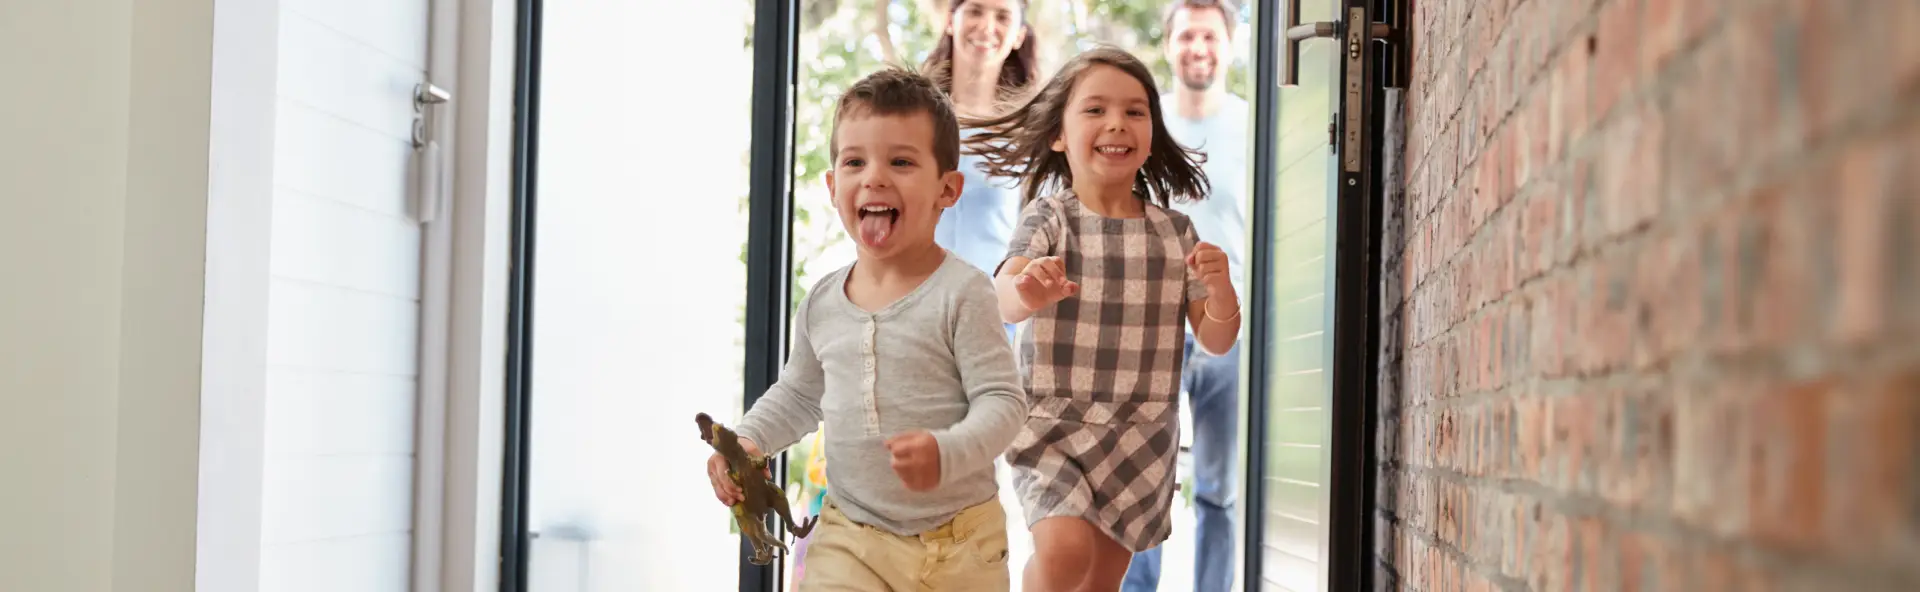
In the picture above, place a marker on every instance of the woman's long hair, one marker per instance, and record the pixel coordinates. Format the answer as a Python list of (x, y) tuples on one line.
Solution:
[(1020, 71)]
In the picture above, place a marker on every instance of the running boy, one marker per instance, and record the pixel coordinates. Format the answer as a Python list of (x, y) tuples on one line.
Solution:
[(910, 435), (1109, 275)]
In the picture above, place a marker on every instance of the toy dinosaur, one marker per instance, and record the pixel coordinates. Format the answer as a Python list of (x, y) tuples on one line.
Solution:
[(760, 494)]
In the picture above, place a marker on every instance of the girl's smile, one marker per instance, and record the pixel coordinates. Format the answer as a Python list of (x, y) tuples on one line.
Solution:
[(1107, 128)]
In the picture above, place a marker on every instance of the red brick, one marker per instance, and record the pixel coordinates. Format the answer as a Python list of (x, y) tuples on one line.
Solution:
[(1571, 454), (1872, 438), (1728, 246), (1532, 427), (1616, 64), (1773, 292), (1699, 156), (1595, 564), (1528, 151), (1539, 220), (1607, 314), (1661, 27), (1643, 563), (1516, 341), (1550, 563), (1697, 16), (1892, 21), (1711, 471), (1527, 27), (1864, 191), (1557, 328), (1717, 570), (1504, 68), (1668, 290), (1568, 101), (1628, 182), (1834, 39), (1638, 461), (1615, 343), (1786, 434), (1903, 215), (1756, 85), (1568, 17)]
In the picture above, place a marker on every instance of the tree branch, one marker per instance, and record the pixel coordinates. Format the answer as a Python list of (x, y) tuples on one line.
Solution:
[(880, 30)]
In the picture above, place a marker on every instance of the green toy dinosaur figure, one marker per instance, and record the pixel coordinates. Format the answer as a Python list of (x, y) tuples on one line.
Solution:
[(761, 495)]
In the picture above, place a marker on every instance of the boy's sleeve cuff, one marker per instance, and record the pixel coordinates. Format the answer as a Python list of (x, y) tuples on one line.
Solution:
[(950, 457), (747, 432)]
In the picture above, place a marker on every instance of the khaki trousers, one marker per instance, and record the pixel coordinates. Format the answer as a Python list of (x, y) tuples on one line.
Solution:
[(967, 554)]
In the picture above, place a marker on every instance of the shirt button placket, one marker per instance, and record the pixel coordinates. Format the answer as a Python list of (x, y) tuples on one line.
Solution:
[(867, 357)]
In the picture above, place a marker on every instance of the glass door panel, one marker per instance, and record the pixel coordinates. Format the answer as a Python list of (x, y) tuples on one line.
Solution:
[(1294, 548), (840, 41), (643, 132)]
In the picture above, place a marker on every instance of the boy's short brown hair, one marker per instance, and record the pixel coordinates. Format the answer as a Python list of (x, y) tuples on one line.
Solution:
[(896, 91)]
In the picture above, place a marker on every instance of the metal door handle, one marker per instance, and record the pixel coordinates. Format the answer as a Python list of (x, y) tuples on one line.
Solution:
[(1297, 32), (429, 161)]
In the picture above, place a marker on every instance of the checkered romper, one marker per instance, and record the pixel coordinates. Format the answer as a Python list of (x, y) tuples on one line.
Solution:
[(1103, 369)]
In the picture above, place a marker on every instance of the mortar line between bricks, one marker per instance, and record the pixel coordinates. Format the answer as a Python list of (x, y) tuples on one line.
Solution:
[(1759, 365), (1677, 63), (1492, 573), (1583, 250), (1472, 83), (1644, 521)]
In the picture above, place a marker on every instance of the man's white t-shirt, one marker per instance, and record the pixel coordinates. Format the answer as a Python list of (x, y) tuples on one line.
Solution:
[(1220, 219)]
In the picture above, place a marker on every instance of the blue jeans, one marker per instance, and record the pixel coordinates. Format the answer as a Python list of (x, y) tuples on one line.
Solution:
[(1213, 388)]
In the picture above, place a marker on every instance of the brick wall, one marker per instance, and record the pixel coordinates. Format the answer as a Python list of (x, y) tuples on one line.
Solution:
[(1653, 299)]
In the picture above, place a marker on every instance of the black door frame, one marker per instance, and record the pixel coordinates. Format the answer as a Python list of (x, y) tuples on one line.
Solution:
[(515, 538), (1351, 560)]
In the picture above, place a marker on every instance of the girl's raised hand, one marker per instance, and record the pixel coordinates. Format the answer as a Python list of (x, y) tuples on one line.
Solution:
[(1210, 264), (1044, 282)]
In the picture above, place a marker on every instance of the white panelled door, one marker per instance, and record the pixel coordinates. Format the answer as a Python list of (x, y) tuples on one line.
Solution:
[(344, 302)]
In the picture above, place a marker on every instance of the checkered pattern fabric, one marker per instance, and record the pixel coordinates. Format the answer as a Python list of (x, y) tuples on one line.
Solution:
[(1103, 368)]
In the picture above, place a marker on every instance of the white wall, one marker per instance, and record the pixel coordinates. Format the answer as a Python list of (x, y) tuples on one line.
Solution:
[(103, 172), (210, 307)]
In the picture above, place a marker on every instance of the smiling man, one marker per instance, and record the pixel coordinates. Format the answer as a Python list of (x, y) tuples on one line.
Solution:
[(1202, 115)]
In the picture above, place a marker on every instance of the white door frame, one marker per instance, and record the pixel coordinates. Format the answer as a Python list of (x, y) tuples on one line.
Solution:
[(472, 49)]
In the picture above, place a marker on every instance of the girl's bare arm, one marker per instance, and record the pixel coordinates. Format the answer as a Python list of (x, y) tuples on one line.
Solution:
[(1215, 335)]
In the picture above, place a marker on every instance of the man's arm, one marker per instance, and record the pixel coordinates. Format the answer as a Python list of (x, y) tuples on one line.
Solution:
[(997, 405)]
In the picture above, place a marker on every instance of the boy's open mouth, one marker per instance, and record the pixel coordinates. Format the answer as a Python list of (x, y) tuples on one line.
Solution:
[(876, 224)]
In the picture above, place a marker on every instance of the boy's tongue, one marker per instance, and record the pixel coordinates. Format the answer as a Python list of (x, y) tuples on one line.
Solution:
[(875, 228)]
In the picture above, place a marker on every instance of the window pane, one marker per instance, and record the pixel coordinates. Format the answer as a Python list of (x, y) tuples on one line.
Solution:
[(639, 291), (1300, 351), (839, 44)]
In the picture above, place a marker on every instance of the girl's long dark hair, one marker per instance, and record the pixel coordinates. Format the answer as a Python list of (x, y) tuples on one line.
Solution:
[(1019, 143), (1019, 72)]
